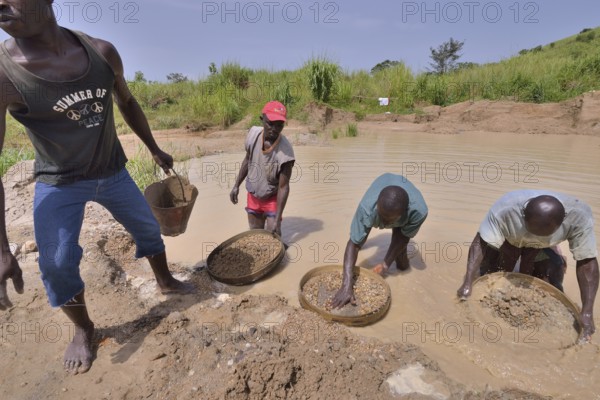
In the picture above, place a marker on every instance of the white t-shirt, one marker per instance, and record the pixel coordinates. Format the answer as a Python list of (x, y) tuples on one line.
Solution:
[(505, 221)]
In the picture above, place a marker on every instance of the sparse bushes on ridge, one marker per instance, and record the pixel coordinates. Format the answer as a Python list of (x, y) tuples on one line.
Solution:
[(559, 71)]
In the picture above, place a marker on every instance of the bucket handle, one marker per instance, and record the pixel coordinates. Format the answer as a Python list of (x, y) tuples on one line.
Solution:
[(180, 184)]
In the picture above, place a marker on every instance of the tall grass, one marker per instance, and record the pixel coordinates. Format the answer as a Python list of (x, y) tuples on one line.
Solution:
[(554, 72), (17, 146), (12, 155), (351, 130), (322, 78), (144, 170), (550, 73)]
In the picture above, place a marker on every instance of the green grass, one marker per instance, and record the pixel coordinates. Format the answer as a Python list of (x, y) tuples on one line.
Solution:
[(144, 170), (548, 73), (13, 155), (545, 73), (351, 130)]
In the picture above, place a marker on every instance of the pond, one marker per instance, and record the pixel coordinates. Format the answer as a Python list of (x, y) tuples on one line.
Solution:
[(460, 177)]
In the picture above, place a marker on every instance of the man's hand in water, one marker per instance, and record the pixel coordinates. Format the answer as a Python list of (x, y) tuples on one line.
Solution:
[(343, 296), (465, 290), (587, 320)]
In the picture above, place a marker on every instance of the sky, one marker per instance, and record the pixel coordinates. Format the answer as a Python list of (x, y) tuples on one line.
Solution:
[(158, 37)]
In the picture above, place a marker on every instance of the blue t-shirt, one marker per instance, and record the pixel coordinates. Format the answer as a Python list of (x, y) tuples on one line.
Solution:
[(367, 217)]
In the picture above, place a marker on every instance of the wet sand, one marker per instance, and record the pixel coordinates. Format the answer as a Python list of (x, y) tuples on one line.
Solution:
[(460, 177)]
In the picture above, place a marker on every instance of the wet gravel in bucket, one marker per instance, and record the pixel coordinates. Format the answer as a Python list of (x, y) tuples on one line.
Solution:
[(522, 306), (245, 256), (526, 308), (370, 295)]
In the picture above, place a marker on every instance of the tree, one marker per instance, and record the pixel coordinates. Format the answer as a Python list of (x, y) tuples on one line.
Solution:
[(175, 77), (383, 65), (445, 56), (139, 77), (212, 68)]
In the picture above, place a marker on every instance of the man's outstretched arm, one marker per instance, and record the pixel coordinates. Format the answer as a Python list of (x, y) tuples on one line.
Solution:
[(345, 294), (130, 108), (476, 254), (9, 266), (587, 278)]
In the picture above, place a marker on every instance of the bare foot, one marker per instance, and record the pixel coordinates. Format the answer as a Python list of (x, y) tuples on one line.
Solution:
[(175, 286), (380, 269), (78, 357)]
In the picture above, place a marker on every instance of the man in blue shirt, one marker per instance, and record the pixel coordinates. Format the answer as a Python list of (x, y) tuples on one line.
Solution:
[(391, 202)]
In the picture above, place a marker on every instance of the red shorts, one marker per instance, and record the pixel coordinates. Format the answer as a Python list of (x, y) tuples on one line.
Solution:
[(257, 206)]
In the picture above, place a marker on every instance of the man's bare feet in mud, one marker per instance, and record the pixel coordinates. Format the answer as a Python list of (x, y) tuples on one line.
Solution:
[(78, 356), (164, 279), (174, 286)]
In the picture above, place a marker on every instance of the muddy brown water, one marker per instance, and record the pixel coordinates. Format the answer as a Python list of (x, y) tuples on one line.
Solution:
[(460, 177)]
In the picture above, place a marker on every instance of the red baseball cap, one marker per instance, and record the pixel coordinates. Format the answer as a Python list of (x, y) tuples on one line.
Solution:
[(275, 111)]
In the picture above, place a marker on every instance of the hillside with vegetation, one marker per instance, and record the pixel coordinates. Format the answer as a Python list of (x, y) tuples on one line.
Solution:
[(547, 73), (550, 73)]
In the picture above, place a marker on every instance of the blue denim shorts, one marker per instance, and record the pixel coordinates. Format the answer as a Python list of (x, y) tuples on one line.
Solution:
[(58, 216)]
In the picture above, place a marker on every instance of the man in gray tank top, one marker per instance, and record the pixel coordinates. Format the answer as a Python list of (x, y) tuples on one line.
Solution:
[(267, 168), (60, 85)]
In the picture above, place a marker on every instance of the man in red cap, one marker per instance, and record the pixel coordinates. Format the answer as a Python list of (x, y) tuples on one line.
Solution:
[(267, 169)]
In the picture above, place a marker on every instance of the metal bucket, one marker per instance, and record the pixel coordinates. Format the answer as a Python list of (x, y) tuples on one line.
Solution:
[(171, 201)]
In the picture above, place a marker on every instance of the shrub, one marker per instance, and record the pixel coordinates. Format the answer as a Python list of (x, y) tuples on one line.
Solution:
[(283, 94), (322, 78), (351, 130), (235, 74)]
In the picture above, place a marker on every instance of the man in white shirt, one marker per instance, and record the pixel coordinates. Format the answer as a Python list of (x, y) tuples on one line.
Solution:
[(525, 222)]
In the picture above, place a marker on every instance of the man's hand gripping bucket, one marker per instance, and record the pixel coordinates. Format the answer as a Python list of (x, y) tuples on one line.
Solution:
[(171, 201)]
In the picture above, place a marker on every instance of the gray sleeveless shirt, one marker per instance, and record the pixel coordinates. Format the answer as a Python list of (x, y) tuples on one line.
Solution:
[(70, 123), (264, 166)]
